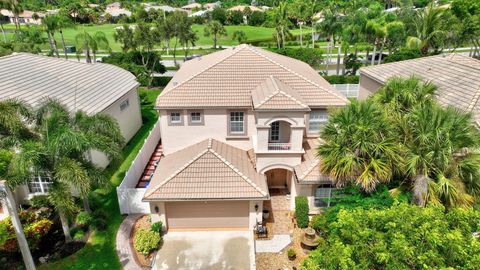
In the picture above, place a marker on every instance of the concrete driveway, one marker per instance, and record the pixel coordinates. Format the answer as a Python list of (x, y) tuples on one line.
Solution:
[(206, 250)]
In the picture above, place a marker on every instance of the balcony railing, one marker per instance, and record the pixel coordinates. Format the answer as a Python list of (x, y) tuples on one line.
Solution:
[(279, 146)]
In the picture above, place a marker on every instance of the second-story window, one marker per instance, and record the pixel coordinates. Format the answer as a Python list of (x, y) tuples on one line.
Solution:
[(317, 120), (40, 185), (237, 123), (275, 132), (196, 117), (175, 118)]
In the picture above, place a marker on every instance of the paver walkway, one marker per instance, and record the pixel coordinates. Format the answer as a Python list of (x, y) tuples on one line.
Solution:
[(123, 247), (274, 245), (279, 206)]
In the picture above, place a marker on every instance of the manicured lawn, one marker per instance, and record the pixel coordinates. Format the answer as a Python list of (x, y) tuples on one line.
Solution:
[(253, 33), (99, 252)]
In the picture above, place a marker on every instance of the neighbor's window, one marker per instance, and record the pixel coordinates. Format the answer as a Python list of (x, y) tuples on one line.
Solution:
[(175, 118), (237, 122), (40, 184), (323, 195), (124, 105), (317, 120), (196, 117)]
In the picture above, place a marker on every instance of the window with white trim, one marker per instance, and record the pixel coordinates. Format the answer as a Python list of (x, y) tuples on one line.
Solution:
[(124, 105), (317, 120), (275, 131), (40, 185), (323, 195), (196, 117), (175, 118), (237, 122)]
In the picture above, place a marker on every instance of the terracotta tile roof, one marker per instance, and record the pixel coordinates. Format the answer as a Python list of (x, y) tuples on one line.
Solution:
[(309, 170), (456, 76), (227, 78), (273, 94), (209, 170)]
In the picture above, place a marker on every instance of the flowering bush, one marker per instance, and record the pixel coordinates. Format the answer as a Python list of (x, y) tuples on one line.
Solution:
[(34, 227)]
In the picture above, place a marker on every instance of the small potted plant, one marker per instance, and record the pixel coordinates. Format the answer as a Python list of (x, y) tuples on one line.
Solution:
[(291, 254)]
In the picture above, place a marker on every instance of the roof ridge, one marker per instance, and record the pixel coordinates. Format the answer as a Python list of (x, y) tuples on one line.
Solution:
[(186, 165), (244, 177), (278, 91), (203, 70), (299, 75)]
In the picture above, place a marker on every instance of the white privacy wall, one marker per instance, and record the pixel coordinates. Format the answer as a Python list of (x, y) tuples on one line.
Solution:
[(129, 197)]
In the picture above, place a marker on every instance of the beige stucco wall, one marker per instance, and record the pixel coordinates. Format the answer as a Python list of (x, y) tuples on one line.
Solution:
[(368, 86), (177, 137), (129, 120)]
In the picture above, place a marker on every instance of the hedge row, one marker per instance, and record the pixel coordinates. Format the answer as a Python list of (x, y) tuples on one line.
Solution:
[(301, 211), (342, 79), (160, 81)]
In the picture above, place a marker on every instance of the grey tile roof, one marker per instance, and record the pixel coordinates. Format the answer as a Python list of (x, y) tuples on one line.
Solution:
[(226, 79), (456, 76), (209, 170), (81, 86)]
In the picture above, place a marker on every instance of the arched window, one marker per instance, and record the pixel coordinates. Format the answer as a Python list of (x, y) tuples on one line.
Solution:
[(323, 195)]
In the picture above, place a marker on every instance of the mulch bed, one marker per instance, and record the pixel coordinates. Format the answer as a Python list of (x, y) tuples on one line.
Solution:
[(142, 260)]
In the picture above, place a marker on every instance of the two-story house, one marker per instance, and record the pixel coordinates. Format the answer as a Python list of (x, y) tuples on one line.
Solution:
[(236, 125)]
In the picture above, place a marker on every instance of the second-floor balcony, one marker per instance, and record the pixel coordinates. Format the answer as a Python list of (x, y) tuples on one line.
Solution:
[(276, 146)]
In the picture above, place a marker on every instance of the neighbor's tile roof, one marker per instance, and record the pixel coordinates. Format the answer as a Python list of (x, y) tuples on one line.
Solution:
[(80, 86), (456, 76), (209, 170), (226, 79), (309, 170), (273, 94)]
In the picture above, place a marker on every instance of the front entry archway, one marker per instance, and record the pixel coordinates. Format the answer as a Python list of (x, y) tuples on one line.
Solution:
[(277, 179)]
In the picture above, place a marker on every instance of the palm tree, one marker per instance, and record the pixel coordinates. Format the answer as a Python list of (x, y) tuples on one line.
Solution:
[(7, 196), (16, 8), (429, 28), (51, 25), (358, 146), (91, 43), (61, 154), (441, 158), (62, 23), (282, 23), (239, 36), (215, 29), (15, 115)]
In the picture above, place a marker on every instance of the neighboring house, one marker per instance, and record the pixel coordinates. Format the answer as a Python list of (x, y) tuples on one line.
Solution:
[(210, 6), (236, 124), (456, 76), (164, 8), (192, 6), (199, 13), (115, 10), (243, 7), (92, 88), (26, 17)]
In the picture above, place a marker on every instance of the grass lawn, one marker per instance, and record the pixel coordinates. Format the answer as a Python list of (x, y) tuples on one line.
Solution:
[(254, 33), (99, 252)]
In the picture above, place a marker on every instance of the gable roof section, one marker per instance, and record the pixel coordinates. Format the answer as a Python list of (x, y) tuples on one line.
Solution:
[(209, 170), (273, 94), (80, 86), (456, 76), (309, 170), (226, 79)]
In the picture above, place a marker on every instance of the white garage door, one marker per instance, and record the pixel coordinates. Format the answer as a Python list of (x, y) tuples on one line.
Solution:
[(211, 214)]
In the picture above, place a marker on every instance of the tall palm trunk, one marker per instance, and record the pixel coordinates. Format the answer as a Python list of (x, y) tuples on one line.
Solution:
[(313, 36), (339, 50), (420, 190), (54, 42), (86, 204), (374, 52), (17, 22), (301, 36), (17, 227), (3, 33), (214, 41), (175, 52), (345, 54), (381, 51), (63, 44), (50, 43), (65, 227)]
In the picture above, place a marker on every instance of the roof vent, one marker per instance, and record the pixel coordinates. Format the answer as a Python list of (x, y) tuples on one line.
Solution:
[(175, 83)]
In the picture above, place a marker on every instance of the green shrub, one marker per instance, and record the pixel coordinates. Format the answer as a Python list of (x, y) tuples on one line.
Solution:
[(319, 223), (99, 220), (291, 253), (83, 219), (157, 227), (342, 79), (146, 241), (301, 211), (79, 235), (40, 201), (160, 81), (313, 57)]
